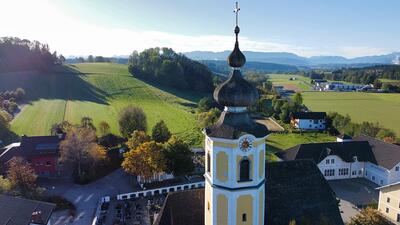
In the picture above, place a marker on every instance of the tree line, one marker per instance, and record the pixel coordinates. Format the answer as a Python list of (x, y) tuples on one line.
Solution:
[(366, 75), (166, 67), (22, 55)]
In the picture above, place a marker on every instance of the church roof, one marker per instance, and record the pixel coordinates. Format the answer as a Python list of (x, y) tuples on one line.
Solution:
[(233, 125), (295, 190), (236, 92)]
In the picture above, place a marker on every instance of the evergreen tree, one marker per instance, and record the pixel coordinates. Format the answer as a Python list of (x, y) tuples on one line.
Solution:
[(160, 132)]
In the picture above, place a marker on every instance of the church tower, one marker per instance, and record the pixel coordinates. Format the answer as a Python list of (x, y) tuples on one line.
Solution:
[(235, 153)]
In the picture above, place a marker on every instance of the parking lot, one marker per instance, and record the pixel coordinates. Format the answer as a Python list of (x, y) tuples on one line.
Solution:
[(354, 194)]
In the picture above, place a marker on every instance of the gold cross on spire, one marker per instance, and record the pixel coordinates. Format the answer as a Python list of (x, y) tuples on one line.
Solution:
[(236, 11)]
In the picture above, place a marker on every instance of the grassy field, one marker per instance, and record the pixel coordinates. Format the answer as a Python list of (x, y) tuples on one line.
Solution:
[(372, 107), (300, 84), (97, 90), (277, 142)]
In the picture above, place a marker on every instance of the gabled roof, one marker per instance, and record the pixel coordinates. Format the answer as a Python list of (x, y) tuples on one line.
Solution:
[(389, 185), (19, 211), (367, 149), (319, 151), (308, 115), (386, 154), (294, 190), (40, 145), (7, 153)]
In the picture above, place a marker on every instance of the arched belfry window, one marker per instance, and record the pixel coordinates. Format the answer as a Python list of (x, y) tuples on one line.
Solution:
[(244, 168), (208, 162)]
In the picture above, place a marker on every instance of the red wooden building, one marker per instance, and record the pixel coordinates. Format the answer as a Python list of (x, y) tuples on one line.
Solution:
[(41, 152)]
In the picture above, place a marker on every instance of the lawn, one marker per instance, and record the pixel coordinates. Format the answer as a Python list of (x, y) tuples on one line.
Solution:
[(97, 90), (282, 141), (372, 107), (301, 83)]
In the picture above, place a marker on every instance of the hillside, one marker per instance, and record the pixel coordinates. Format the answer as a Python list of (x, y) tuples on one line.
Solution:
[(97, 90)]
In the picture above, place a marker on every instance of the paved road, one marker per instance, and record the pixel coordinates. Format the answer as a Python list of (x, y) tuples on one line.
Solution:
[(86, 197)]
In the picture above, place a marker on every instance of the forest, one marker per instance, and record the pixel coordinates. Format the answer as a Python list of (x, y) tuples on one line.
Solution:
[(22, 55), (166, 67)]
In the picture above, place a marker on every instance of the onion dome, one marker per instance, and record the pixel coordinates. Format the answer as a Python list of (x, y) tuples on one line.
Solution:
[(236, 59), (236, 91)]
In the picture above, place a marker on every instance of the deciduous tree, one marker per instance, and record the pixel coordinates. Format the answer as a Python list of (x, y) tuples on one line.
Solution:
[(21, 176), (79, 149), (369, 216), (104, 128), (138, 138), (146, 160), (130, 119)]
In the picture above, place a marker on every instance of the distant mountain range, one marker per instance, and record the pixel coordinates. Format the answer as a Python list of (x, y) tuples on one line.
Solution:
[(295, 60)]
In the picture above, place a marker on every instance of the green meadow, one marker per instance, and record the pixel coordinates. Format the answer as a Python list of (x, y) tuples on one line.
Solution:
[(300, 83), (373, 107), (97, 90)]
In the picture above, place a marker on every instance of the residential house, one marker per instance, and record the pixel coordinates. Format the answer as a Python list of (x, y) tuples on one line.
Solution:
[(362, 157), (389, 202), (20, 211), (308, 120)]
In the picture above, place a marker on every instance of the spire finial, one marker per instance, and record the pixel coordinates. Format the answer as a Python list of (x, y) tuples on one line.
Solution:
[(236, 59), (236, 11)]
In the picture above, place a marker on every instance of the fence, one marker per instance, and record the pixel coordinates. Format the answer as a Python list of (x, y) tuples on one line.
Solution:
[(162, 190)]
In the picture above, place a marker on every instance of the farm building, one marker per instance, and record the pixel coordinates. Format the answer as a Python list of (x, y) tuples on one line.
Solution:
[(41, 152), (389, 202), (308, 120), (361, 157), (338, 86)]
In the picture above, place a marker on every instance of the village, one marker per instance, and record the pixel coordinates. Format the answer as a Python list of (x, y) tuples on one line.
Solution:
[(162, 136)]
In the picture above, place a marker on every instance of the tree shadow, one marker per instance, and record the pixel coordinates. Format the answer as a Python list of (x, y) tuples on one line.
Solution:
[(187, 95), (66, 83)]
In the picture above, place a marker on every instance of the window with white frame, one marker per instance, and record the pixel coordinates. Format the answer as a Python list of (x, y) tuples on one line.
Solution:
[(397, 168), (329, 173), (327, 161), (332, 161), (343, 171)]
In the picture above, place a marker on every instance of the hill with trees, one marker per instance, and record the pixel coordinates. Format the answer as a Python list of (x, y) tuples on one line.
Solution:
[(166, 67), (23, 55), (365, 75)]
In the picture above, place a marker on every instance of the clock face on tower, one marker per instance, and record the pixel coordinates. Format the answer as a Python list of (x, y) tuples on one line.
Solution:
[(246, 144)]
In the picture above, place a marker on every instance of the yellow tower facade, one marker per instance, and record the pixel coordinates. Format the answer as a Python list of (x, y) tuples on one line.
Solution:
[(235, 178), (235, 152)]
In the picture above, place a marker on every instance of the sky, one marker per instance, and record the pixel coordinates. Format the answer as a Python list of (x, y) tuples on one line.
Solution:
[(347, 28)]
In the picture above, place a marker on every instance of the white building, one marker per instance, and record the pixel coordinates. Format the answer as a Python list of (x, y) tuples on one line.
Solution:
[(363, 156), (389, 202), (308, 120)]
